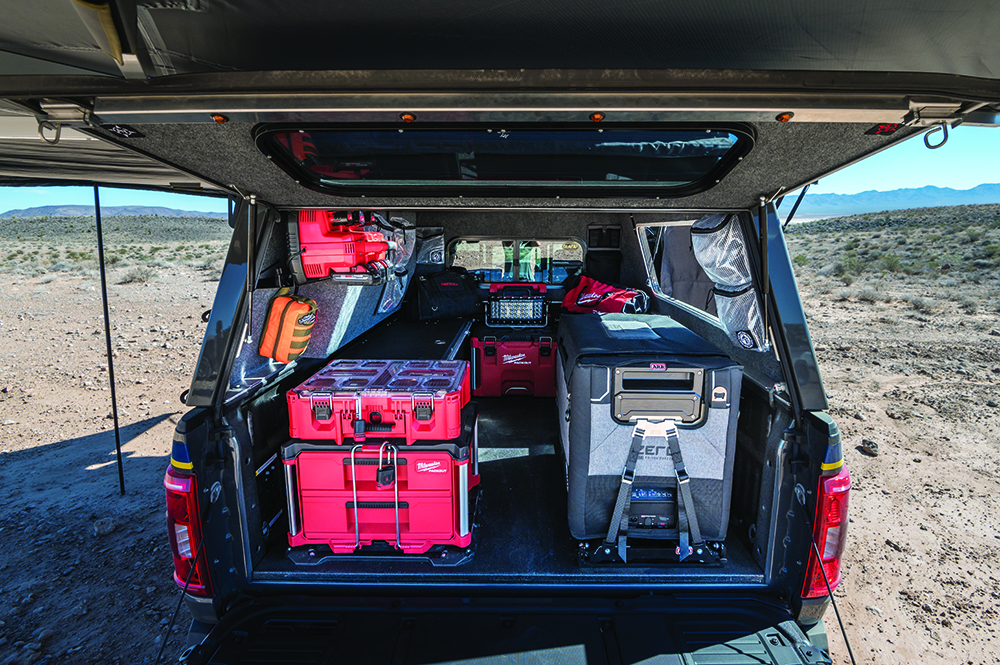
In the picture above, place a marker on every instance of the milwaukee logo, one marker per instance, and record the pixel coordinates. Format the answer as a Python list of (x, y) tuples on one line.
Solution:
[(431, 467), (516, 359), (587, 298)]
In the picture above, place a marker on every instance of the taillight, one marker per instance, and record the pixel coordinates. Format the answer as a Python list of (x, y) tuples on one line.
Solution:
[(830, 532), (184, 532)]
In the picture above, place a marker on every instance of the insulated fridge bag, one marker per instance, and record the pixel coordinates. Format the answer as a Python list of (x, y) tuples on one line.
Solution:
[(349, 401), (644, 399)]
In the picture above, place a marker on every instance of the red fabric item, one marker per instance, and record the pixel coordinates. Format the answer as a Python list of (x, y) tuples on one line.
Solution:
[(589, 295)]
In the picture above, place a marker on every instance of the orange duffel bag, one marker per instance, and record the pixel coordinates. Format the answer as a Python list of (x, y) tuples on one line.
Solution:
[(287, 327)]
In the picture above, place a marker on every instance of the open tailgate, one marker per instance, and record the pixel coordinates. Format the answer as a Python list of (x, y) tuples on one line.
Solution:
[(666, 630)]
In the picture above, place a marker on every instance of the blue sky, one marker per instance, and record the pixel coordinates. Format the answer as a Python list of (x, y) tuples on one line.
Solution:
[(971, 157), (15, 198)]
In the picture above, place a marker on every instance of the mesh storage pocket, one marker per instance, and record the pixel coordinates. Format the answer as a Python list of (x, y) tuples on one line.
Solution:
[(739, 313), (719, 246)]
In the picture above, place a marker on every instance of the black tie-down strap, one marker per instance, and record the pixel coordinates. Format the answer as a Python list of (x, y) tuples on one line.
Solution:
[(687, 519)]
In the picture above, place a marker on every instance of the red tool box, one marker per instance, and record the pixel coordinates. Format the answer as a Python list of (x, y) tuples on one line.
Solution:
[(334, 244), (513, 362), (414, 400), (411, 496)]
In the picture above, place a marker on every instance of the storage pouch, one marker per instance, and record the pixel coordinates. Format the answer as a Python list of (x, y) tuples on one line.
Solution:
[(287, 326), (451, 294), (739, 312), (719, 246)]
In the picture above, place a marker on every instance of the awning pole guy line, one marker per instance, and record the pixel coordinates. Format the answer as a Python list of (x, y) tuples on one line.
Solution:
[(107, 339)]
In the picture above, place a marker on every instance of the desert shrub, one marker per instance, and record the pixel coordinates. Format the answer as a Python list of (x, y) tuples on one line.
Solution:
[(889, 319), (139, 275), (890, 262), (112, 259), (48, 279), (801, 259), (847, 279), (867, 294), (851, 244), (922, 304), (844, 294), (973, 235), (968, 305), (854, 265)]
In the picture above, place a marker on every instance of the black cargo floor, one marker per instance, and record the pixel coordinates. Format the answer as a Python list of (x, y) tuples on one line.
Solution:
[(521, 535)]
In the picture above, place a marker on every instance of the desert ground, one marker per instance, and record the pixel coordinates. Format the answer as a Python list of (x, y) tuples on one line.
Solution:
[(903, 309)]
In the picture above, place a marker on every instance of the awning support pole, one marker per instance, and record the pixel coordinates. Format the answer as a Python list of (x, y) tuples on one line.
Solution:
[(107, 339), (765, 281)]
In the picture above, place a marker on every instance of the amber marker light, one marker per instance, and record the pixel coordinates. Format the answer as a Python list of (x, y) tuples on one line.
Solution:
[(597, 117), (219, 118), (407, 117), (784, 117)]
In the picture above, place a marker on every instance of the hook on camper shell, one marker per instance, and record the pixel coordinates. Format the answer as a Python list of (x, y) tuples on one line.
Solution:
[(944, 138), (51, 126)]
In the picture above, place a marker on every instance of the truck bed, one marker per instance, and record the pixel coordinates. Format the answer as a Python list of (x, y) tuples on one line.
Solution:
[(521, 537)]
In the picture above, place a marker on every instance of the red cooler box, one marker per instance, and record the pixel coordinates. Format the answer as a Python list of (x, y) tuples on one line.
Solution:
[(351, 400), (412, 497), (513, 362)]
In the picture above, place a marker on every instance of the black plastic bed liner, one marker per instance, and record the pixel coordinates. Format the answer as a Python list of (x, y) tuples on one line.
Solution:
[(478, 631), (521, 535)]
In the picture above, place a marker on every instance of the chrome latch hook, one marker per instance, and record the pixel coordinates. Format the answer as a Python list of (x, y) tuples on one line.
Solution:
[(944, 138), (55, 127)]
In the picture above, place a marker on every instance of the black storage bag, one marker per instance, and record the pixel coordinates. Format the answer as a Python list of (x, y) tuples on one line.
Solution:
[(450, 294), (591, 348)]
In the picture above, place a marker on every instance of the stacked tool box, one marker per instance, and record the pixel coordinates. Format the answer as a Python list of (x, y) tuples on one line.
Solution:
[(513, 352), (382, 450)]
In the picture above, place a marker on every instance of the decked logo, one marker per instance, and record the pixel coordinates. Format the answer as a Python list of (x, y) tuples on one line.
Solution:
[(431, 467), (516, 359)]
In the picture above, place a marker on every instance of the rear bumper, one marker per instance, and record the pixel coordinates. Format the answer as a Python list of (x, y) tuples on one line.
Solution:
[(411, 630)]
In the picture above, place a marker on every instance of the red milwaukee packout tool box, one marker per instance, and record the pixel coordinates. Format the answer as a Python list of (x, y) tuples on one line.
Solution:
[(334, 243), (509, 361), (517, 305), (351, 400), (413, 497)]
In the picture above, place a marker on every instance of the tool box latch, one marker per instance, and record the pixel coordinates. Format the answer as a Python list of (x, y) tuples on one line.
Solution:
[(423, 406), (321, 405)]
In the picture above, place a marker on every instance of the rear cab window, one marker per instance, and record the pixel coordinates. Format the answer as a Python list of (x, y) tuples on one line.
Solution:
[(539, 260)]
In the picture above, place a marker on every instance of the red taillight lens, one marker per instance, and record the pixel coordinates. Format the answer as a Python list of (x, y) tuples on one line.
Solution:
[(184, 532), (830, 532)]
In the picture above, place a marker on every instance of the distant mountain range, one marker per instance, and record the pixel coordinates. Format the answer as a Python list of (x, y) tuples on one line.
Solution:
[(837, 205), (813, 205), (109, 211)]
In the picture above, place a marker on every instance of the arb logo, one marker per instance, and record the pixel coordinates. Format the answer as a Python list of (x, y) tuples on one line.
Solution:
[(658, 367)]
